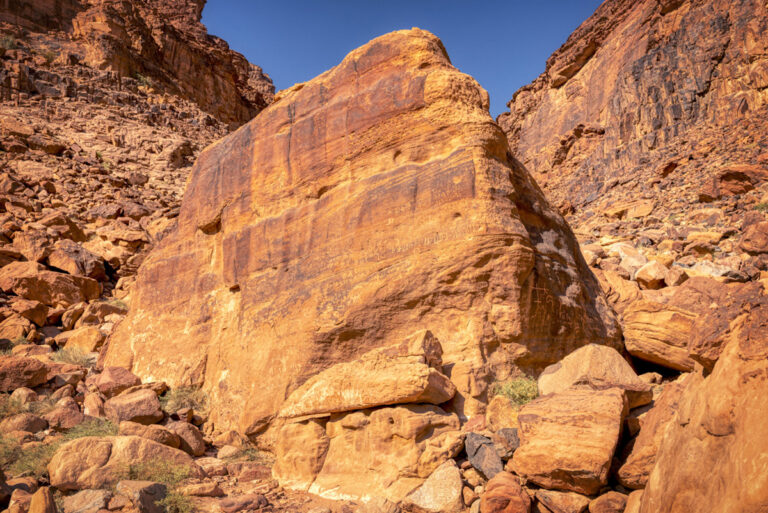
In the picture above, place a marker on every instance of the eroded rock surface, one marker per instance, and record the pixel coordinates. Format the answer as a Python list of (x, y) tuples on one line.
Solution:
[(366, 202)]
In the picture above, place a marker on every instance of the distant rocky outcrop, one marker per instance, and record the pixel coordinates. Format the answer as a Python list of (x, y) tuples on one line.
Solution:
[(375, 200), (157, 41), (648, 100)]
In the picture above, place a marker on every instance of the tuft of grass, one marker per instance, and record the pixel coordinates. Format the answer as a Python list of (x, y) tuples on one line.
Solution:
[(74, 356), (185, 397), (142, 79), (93, 427), (520, 390), (250, 454), (176, 502), (119, 303), (8, 42), (49, 56), (9, 451), (762, 207), (159, 471)]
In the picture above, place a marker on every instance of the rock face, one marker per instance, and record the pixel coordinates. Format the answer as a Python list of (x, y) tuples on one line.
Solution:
[(647, 91), (157, 40), (720, 427), (376, 199)]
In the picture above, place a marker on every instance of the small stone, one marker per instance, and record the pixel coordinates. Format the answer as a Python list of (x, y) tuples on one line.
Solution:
[(440, 493), (482, 455), (143, 494), (611, 502)]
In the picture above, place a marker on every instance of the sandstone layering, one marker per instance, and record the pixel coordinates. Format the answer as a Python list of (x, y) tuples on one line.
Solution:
[(377, 199)]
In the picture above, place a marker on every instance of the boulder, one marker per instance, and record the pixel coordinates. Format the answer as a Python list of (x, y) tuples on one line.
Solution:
[(482, 455), (562, 502), (144, 495), (30, 280), (652, 275), (86, 501), (42, 501), (23, 422), (190, 439), (18, 371), (384, 452), (755, 239), (634, 472), (410, 372), (72, 258), (609, 502), (719, 427), (87, 339), (567, 440), (238, 503), (113, 380), (396, 201), (501, 413), (64, 417), (598, 367), (141, 406), (503, 494), (659, 333), (159, 434), (96, 462), (440, 493)]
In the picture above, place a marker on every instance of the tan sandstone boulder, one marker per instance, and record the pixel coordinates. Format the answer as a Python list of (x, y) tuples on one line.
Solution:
[(659, 333), (712, 455), (383, 452), (440, 493), (567, 440), (140, 406), (159, 434), (377, 198), (31, 280), (598, 367), (408, 373), (95, 462)]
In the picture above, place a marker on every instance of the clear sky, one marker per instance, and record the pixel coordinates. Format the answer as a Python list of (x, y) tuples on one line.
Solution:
[(502, 44)]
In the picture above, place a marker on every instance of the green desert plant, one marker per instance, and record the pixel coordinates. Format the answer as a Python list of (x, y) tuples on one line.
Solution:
[(160, 471), (74, 356), (142, 79), (176, 502), (250, 454), (520, 390), (762, 207), (9, 451), (33, 459), (119, 303), (8, 42), (185, 397)]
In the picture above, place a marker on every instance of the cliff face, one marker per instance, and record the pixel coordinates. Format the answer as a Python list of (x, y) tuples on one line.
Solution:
[(638, 86), (377, 199), (158, 41)]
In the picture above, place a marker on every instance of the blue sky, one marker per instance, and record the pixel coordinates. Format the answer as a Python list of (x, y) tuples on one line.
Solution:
[(503, 44)]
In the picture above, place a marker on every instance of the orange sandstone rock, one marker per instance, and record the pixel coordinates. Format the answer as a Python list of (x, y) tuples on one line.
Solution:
[(375, 199)]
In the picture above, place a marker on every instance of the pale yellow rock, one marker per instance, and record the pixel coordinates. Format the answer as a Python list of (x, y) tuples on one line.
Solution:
[(501, 413), (299, 453), (652, 275)]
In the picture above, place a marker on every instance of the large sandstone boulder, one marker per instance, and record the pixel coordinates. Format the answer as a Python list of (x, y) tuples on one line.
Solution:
[(377, 198), (567, 440), (598, 367), (440, 493), (96, 462), (31, 280), (659, 333), (713, 455), (383, 452), (18, 371), (410, 372)]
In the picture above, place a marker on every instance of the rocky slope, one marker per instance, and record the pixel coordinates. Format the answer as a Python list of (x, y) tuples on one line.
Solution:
[(158, 41)]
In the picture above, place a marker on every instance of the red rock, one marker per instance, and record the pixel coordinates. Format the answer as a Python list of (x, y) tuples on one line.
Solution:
[(141, 406), (755, 239), (503, 494), (113, 380), (322, 262), (190, 438), (30, 280), (72, 258), (16, 372), (610, 502)]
